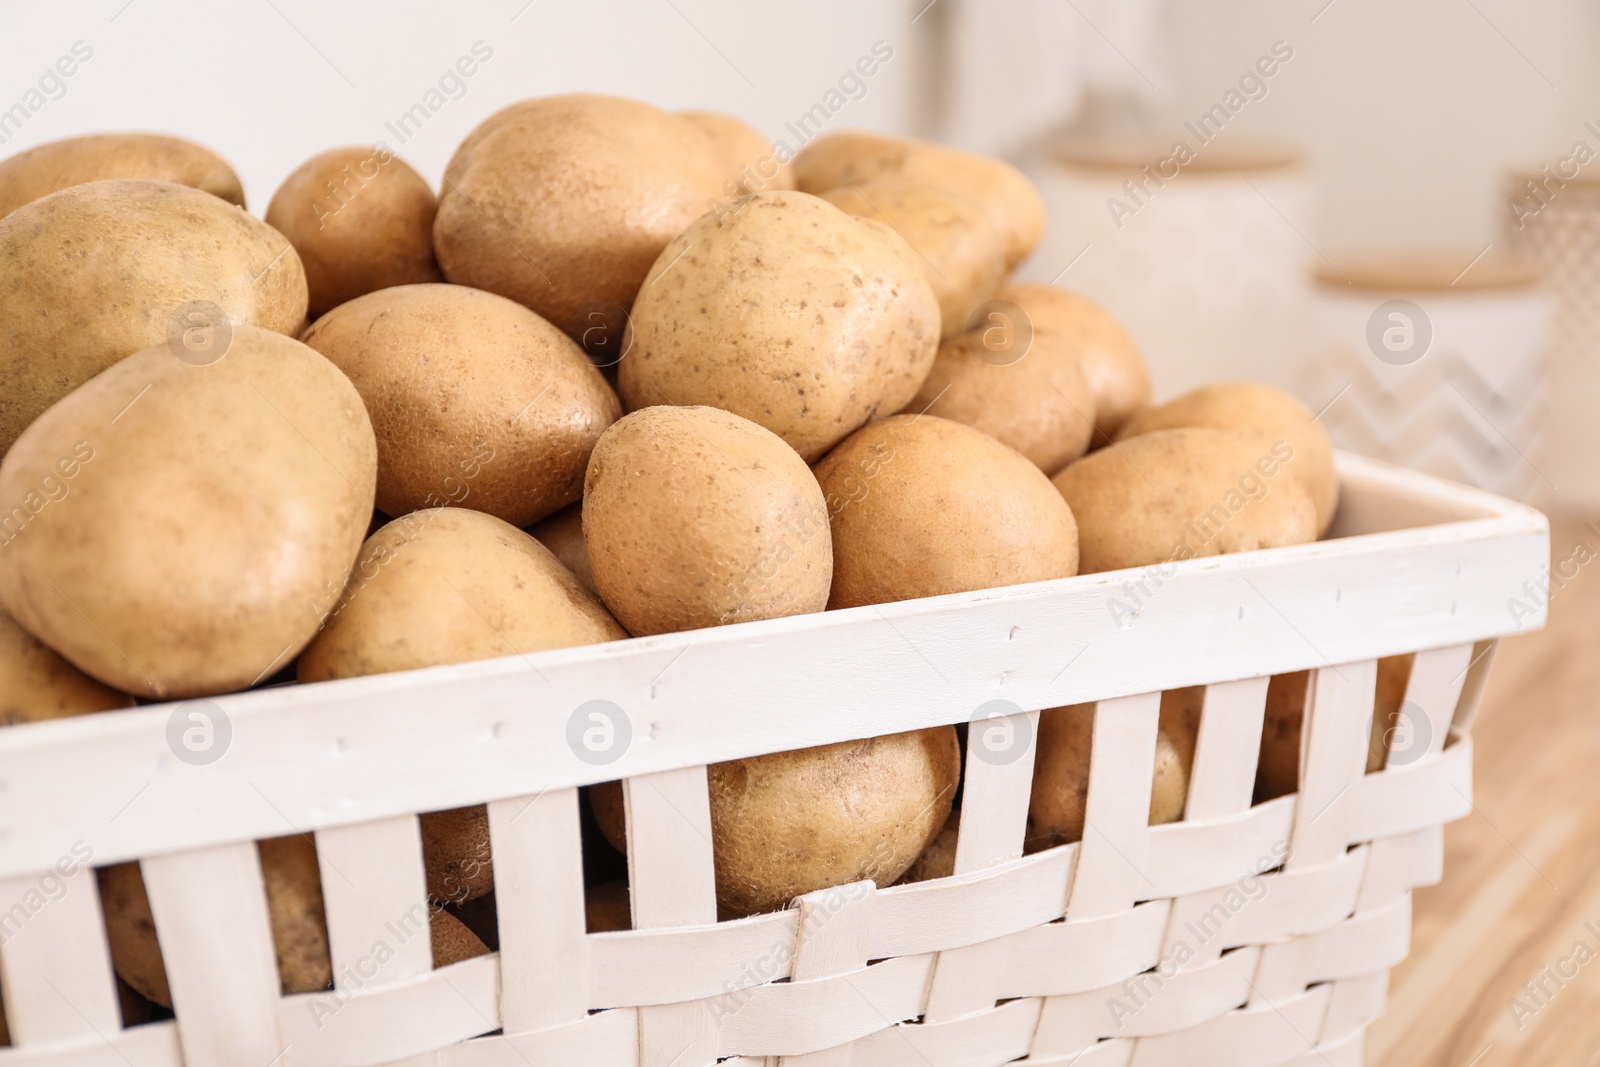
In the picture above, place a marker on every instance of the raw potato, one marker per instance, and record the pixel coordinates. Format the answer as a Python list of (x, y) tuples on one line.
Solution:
[(451, 940), (1004, 191), (1112, 365), (795, 822), (36, 684), (361, 219), (97, 272), (562, 534), (607, 907), (788, 312), (203, 519), (938, 860), (1035, 401), (696, 517), (922, 506), (962, 255), (448, 586), (1172, 495), (749, 160), (1250, 407), (50, 168), (1278, 766), (475, 400), (1060, 794), (562, 204), (1394, 674)]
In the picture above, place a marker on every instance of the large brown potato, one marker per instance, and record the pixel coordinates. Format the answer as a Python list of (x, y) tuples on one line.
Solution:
[(447, 586), (795, 822), (695, 517), (50, 168), (100, 271), (1028, 393), (475, 400), (961, 252), (1176, 494), (922, 506), (212, 515), (1004, 191), (1250, 407), (361, 220), (788, 312), (562, 204), (749, 160), (1112, 365), (37, 684)]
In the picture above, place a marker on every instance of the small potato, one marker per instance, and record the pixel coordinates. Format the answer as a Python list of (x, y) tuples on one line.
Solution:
[(795, 822), (922, 506), (562, 534), (204, 518), (1177, 494), (37, 684), (938, 860), (452, 940), (361, 219), (1250, 407), (97, 272), (1060, 796), (1004, 191), (52, 167), (563, 203), (749, 159), (1033, 399), (475, 400), (695, 517), (788, 312), (455, 854), (962, 255), (1112, 365)]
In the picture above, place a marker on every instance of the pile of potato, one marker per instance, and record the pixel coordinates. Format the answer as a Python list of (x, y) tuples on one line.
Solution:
[(608, 382)]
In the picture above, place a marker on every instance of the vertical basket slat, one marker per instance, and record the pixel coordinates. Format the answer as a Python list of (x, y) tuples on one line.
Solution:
[(1473, 687), (672, 879), (376, 899), (1333, 755), (210, 910), (831, 939), (997, 784), (1117, 815), (1434, 689), (55, 966), (538, 873)]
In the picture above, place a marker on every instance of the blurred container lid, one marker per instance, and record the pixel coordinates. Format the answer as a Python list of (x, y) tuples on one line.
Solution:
[(1427, 271)]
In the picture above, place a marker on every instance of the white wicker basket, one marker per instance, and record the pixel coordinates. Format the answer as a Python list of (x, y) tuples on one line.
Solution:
[(978, 968)]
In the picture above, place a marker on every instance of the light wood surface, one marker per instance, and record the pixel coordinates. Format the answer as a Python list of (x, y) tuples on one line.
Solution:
[(1522, 873)]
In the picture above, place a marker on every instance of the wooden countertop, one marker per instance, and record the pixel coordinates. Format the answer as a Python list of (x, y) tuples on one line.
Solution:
[(1521, 874)]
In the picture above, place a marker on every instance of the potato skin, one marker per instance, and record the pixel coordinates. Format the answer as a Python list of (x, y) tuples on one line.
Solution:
[(448, 585), (1278, 766), (361, 220), (795, 822), (125, 256), (475, 400), (961, 252), (562, 534), (848, 157), (49, 168), (749, 160), (1259, 409), (1112, 365), (696, 517), (1037, 403), (562, 203), (1177, 494), (37, 684), (212, 518), (788, 312), (922, 506)]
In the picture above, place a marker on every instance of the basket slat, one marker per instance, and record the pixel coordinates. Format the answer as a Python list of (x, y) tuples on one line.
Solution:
[(1437, 677), (1084, 954), (1224, 773), (1264, 1036), (1117, 813), (1151, 1004), (968, 909), (151, 1045), (1333, 755), (644, 967), (55, 965), (1187, 857), (998, 783), (376, 900), (538, 870), (210, 911), (793, 1018), (992, 1038)]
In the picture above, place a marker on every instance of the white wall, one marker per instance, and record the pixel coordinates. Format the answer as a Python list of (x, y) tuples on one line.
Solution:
[(267, 83)]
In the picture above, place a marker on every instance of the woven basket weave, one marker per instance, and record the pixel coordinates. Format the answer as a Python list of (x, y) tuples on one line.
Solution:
[(1245, 934)]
